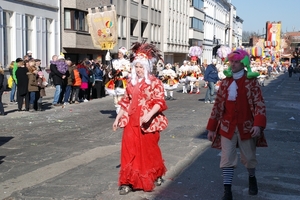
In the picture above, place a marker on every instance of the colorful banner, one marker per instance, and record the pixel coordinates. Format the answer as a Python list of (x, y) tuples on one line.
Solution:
[(103, 27), (273, 34)]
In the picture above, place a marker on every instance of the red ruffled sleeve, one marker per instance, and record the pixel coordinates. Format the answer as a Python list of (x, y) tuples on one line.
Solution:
[(125, 101), (158, 96)]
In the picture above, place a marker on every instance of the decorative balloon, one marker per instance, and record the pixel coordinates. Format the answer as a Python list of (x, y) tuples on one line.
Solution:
[(256, 51)]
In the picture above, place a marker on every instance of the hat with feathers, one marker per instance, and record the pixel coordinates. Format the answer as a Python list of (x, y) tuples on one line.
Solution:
[(147, 55)]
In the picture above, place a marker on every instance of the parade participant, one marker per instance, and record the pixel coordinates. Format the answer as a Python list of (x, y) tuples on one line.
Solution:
[(211, 77), (238, 118), (183, 72), (118, 75), (170, 82), (193, 78), (142, 166)]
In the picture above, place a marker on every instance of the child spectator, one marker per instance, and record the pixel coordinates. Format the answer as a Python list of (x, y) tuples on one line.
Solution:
[(42, 83)]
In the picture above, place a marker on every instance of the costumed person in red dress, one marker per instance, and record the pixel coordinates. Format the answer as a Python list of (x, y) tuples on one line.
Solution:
[(238, 118), (142, 165)]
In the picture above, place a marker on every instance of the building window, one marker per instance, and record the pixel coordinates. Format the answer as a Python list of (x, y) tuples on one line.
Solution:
[(198, 4), (145, 2), (80, 21), (49, 40), (68, 19), (196, 24), (75, 20), (133, 25), (152, 32), (28, 32), (143, 30), (7, 37), (121, 27)]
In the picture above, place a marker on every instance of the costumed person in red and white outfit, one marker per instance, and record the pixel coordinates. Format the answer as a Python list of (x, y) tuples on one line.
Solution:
[(238, 118), (170, 82), (193, 78), (118, 75), (142, 165), (183, 72)]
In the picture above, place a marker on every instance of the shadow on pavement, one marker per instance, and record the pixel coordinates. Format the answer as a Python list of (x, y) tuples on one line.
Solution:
[(4, 140), (112, 113)]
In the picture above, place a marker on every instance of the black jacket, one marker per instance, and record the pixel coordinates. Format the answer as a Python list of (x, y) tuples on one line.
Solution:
[(56, 75), (1, 82), (22, 78)]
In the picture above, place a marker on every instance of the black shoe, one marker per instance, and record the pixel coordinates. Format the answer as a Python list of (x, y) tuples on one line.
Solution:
[(167, 98), (253, 190), (40, 107), (159, 181), (2, 114), (227, 193), (124, 189), (172, 98)]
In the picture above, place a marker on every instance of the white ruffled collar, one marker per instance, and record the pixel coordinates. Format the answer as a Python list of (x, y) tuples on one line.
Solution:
[(238, 75)]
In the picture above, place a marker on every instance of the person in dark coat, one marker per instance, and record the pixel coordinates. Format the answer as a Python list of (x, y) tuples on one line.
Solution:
[(1, 91), (22, 85), (211, 77), (290, 70), (57, 77)]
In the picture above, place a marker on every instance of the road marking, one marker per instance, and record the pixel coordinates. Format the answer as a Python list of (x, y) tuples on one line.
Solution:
[(47, 172)]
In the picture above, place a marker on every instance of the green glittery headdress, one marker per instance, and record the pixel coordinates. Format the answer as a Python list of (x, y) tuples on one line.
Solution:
[(243, 56)]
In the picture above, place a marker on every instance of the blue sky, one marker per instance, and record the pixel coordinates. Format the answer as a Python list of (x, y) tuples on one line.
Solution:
[(256, 13)]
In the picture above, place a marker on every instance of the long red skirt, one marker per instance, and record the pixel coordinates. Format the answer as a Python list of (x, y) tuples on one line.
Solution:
[(141, 159)]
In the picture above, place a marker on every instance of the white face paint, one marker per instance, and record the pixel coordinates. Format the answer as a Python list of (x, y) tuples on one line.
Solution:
[(139, 70)]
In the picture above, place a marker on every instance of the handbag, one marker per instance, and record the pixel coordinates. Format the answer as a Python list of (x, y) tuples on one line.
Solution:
[(10, 82), (261, 140)]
